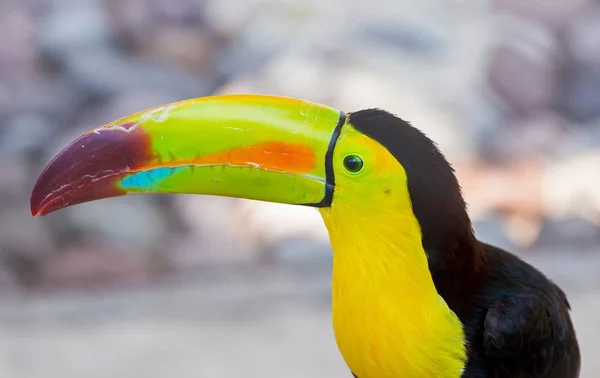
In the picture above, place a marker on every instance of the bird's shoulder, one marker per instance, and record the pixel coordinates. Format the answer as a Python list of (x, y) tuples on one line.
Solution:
[(527, 329)]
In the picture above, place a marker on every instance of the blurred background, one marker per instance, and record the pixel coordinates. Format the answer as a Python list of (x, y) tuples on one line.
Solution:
[(190, 286)]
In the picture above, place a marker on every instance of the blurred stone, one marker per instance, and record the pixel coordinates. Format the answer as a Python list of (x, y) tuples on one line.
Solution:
[(526, 80), (513, 188), (555, 13), (375, 89), (233, 231), (25, 133), (193, 252), (134, 101), (217, 234), (484, 113), (13, 179), (490, 230), (135, 20), (413, 39), (24, 269), (7, 281), (272, 223), (580, 138), (130, 19), (590, 137), (73, 25), (264, 36), (302, 253), (130, 220), (189, 47), (104, 73), (183, 12), (570, 187), (523, 231), (230, 16), (94, 265), (298, 74), (537, 134), (50, 98), (582, 38), (22, 234), (25, 243), (580, 97), (569, 231), (17, 50)]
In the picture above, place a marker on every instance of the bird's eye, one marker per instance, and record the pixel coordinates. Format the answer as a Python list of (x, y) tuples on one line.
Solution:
[(353, 163)]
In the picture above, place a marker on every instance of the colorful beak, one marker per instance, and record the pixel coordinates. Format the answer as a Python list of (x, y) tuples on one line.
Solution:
[(247, 146)]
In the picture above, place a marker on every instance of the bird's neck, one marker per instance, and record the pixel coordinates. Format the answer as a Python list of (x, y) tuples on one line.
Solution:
[(389, 320)]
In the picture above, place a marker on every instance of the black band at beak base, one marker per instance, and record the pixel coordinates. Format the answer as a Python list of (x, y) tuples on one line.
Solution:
[(329, 173)]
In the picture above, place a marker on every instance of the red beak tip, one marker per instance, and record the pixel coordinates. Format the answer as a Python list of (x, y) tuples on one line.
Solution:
[(44, 208), (36, 213), (36, 210), (39, 207)]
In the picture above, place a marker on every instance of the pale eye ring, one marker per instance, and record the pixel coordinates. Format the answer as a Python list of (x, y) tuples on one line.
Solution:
[(353, 163)]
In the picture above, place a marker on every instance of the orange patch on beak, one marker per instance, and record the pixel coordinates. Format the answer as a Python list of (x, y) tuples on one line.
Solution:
[(273, 156)]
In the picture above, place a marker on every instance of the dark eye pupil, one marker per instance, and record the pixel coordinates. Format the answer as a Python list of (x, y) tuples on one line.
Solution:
[(353, 163)]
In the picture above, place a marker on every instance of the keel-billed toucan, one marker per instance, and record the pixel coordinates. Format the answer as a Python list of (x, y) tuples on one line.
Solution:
[(415, 294)]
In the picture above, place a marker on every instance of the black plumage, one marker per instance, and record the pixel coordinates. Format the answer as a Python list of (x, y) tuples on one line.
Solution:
[(516, 320)]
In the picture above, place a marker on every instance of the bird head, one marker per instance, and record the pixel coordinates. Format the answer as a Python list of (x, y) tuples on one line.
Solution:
[(262, 148)]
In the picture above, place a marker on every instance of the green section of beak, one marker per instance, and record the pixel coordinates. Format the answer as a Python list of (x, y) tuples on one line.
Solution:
[(249, 146)]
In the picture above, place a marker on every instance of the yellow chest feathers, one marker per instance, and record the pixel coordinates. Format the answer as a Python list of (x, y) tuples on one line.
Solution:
[(388, 319)]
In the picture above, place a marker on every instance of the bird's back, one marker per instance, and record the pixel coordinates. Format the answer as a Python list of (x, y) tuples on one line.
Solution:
[(519, 326)]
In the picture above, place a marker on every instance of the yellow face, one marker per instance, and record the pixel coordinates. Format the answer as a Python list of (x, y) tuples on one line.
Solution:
[(371, 204), (388, 319), (364, 169)]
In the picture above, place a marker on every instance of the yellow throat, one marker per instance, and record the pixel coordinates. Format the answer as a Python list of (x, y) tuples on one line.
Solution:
[(388, 318)]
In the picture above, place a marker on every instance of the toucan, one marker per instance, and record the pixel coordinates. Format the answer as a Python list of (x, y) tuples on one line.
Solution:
[(415, 294)]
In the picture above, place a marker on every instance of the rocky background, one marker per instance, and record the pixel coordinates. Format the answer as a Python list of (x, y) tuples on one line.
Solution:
[(159, 286)]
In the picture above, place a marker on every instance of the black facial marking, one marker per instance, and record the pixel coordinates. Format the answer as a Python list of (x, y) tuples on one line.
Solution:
[(329, 173)]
